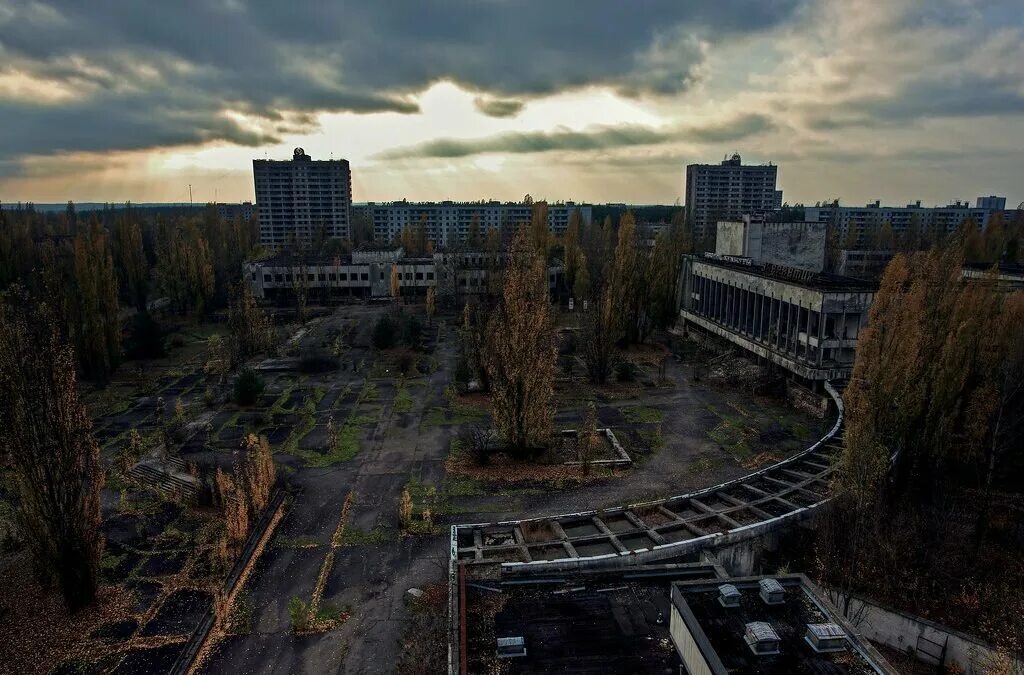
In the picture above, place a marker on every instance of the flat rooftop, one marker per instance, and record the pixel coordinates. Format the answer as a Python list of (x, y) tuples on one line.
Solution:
[(718, 631), (582, 623), (819, 281)]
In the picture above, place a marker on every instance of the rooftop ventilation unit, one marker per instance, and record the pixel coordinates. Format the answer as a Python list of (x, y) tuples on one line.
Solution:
[(511, 647), (728, 596), (761, 638), (772, 592), (825, 637)]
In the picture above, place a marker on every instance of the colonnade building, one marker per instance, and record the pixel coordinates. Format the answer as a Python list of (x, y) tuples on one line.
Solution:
[(807, 322)]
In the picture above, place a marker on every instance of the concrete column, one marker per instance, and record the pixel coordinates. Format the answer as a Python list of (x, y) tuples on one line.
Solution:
[(727, 309), (778, 322), (748, 314), (790, 325), (821, 337), (777, 303), (757, 315), (807, 331)]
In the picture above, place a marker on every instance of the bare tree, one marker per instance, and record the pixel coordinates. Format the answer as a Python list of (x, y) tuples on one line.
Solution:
[(478, 438)]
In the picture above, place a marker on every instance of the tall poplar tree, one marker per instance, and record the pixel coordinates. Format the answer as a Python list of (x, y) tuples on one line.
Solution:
[(97, 326), (47, 438), (130, 259), (521, 351)]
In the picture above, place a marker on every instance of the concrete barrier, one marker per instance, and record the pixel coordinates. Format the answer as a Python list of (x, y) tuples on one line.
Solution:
[(925, 640)]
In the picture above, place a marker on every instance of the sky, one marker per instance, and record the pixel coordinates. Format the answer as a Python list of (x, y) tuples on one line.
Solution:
[(588, 100)]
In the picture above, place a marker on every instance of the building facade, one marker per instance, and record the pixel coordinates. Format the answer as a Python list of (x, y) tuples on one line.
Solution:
[(367, 274), (302, 199), (243, 210), (863, 221), (448, 223), (798, 245), (806, 322), (729, 191)]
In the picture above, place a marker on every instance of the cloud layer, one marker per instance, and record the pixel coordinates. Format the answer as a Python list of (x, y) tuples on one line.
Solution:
[(152, 73), (831, 87), (601, 138)]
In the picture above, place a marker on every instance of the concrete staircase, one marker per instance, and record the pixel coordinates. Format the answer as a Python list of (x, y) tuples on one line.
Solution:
[(169, 477)]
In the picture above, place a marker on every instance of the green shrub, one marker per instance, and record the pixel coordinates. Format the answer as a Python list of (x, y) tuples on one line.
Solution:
[(298, 613), (249, 387), (463, 374), (385, 333), (412, 331), (625, 371)]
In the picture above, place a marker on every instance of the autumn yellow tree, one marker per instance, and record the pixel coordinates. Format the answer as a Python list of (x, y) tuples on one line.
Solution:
[(539, 229), (249, 326), (431, 304), (574, 259), (395, 282), (185, 267), (521, 351), (933, 412)]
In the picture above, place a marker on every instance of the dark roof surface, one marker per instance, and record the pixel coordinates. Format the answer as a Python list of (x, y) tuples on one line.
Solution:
[(821, 281), (724, 629), (578, 624)]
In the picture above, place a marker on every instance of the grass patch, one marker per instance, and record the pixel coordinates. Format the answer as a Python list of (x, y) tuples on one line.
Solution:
[(653, 439), (461, 486), (403, 400), (291, 446), (331, 613), (434, 417), (286, 393), (347, 447), (112, 400), (639, 414), (356, 537), (703, 464), (455, 414), (240, 622)]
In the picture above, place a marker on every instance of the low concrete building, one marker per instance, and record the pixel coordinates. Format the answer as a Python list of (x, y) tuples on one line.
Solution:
[(366, 273), (1004, 276), (806, 322), (765, 626)]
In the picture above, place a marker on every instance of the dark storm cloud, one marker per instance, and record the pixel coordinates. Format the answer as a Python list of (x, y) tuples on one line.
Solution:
[(498, 107), (150, 72), (965, 96), (531, 142), (599, 138), (730, 130)]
